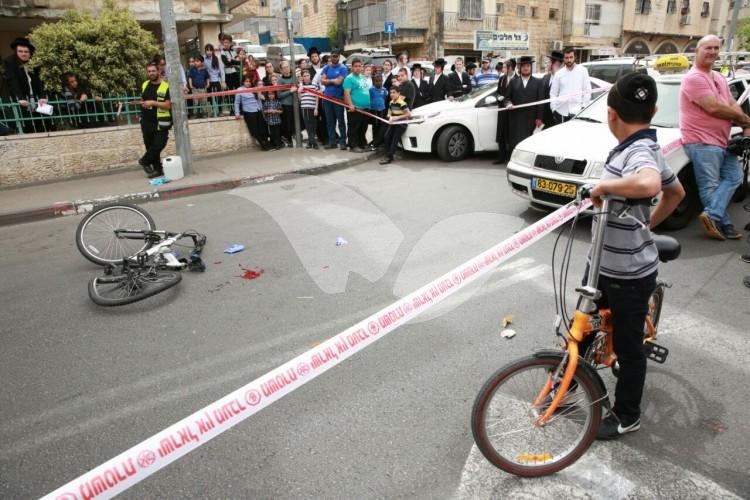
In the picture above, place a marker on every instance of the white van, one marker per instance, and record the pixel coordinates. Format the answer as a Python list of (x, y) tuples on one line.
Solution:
[(277, 52)]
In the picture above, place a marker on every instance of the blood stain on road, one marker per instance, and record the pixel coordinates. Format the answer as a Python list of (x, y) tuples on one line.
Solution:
[(251, 274)]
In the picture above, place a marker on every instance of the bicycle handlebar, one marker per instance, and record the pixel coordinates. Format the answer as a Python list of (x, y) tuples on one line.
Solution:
[(585, 192), (738, 145)]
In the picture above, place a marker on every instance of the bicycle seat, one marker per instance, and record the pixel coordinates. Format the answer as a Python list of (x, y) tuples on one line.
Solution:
[(668, 247)]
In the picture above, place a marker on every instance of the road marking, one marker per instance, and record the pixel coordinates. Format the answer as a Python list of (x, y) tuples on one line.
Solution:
[(608, 471)]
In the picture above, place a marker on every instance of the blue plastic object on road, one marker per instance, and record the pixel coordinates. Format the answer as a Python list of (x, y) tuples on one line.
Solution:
[(235, 248), (159, 181)]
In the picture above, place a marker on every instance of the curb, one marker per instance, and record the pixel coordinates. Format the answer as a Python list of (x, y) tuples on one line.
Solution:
[(65, 208)]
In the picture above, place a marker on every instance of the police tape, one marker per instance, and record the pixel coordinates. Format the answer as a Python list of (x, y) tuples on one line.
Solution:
[(561, 98), (163, 448)]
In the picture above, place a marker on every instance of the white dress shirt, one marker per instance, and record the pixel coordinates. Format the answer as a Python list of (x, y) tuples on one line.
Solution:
[(567, 82)]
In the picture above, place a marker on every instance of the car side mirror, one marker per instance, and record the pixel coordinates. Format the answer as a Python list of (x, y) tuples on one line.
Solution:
[(490, 100)]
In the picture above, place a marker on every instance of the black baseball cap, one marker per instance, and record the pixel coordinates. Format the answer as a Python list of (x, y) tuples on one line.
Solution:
[(335, 52)]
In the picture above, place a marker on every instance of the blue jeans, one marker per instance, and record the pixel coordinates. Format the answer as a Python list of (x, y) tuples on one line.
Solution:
[(717, 174), (334, 113)]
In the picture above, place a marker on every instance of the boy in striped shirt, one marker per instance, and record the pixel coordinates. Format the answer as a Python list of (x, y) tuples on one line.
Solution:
[(309, 105), (397, 111), (635, 169)]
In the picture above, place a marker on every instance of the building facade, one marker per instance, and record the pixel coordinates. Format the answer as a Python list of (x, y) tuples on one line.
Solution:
[(593, 28)]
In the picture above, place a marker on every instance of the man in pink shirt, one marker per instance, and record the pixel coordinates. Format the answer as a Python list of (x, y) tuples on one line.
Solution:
[(707, 111)]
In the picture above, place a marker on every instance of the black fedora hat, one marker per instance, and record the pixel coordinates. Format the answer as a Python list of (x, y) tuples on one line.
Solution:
[(440, 62), (23, 42), (416, 66), (313, 50), (556, 55), (525, 60)]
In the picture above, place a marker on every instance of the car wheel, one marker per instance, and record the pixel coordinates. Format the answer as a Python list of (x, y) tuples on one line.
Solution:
[(688, 207), (453, 143)]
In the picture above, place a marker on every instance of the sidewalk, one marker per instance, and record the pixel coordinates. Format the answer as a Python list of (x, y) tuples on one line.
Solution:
[(213, 173)]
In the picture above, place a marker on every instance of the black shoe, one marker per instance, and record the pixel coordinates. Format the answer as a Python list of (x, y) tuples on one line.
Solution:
[(747, 226), (315, 146), (746, 281), (612, 428), (357, 150), (342, 147), (745, 258), (329, 146), (154, 174), (386, 161), (729, 232), (308, 146), (498, 162)]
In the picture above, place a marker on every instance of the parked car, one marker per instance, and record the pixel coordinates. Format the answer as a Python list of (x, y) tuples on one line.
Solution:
[(610, 70), (455, 129), (548, 167), (275, 53), (257, 51), (374, 58)]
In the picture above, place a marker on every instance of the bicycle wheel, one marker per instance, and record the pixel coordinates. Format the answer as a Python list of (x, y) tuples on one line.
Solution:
[(504, 418), (96, 238), (655, 302), (131, 287)]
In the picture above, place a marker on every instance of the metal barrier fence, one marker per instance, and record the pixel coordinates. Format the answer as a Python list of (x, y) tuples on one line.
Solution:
[(100, 111)]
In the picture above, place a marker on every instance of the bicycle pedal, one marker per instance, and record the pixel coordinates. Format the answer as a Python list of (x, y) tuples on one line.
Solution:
[(655, 352)]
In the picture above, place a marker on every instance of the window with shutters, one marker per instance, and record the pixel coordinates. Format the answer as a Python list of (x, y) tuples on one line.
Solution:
[(521, 11), (643, 7), (470, 9), (671, 6), (593, 13), (500, 9), (553, 14), (706, 9)]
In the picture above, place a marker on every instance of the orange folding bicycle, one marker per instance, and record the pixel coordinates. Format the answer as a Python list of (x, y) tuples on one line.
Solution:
[(539, 414)]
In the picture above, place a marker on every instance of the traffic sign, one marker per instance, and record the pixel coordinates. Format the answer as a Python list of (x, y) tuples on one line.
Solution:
[(390, 27)]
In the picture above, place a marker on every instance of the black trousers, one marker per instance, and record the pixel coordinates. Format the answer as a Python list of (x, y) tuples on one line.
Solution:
[(378, 128), (155, 142), (233, 81), (392, 137), (275, 135), (628, 300), (558, 118), (322, 131), (311, 124), (256, 125), (287, 122), (357, 128)]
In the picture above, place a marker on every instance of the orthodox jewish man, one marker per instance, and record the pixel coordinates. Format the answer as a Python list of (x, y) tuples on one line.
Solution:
[(524, 89)]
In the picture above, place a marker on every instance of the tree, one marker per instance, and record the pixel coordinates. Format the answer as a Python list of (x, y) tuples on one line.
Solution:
[(743, 34), (108, 52), (333, 35)]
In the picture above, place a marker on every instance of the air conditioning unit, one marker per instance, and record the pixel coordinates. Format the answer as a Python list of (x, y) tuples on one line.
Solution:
[(557, 45), (684, 20)]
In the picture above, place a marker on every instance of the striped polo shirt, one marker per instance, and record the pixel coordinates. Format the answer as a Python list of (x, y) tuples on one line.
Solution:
[(308, 100), (483, 80), (629, 251)]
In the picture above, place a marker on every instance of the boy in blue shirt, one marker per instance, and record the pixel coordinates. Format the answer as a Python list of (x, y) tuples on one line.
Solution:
[(198, 82), (378, 95)]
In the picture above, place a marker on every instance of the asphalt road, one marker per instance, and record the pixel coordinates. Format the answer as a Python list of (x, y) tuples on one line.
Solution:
[(81, 383)]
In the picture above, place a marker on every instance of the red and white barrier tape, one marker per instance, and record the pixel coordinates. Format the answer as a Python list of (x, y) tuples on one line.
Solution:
[(558, 98), (156, 452)]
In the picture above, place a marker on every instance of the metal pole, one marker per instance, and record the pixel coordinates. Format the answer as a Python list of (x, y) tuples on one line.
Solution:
[(388, 19), (295, 100), (179, 108), (732, 26)]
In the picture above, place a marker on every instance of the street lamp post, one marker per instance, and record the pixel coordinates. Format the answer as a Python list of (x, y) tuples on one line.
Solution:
[(295, 100)]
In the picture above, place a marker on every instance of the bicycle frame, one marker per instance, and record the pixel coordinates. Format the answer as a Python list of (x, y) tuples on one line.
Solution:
[(163, 240), (585, 321)]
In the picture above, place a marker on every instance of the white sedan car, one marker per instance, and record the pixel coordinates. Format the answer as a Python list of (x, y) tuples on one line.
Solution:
[(547, 168), (454, 129)]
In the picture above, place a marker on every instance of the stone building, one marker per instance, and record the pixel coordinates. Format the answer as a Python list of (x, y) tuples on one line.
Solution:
[(432, 28), (667, 26), (593, 28), (197, 20)]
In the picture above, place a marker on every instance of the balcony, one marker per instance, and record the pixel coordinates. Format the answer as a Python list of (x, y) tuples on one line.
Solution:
[(592, 29), (452, 23), (356, 38)]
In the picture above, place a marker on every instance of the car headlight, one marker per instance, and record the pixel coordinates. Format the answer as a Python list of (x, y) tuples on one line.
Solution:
[(522, 157), (597, 168)]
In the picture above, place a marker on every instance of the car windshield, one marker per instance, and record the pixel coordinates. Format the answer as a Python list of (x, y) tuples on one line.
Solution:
[(254, 49), (474, 93), (667, 107)]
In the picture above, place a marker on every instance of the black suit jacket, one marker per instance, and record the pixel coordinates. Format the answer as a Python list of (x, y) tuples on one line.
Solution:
[(15, 84), (421, 92), (459, 85), (438, 90), (547, 113)]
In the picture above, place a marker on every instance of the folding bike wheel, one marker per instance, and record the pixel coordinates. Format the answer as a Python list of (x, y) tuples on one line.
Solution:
[(98, 241), (131, 286)]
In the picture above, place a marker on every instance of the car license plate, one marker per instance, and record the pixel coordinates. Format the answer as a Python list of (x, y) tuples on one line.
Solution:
[(555, 187)]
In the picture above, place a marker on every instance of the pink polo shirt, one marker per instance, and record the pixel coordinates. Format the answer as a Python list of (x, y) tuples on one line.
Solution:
[(697, 126)]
